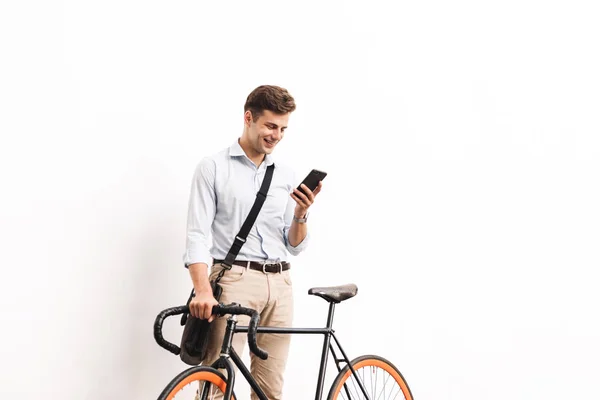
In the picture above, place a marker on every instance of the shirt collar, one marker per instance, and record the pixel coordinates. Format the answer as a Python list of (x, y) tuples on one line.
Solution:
[(235, 150)]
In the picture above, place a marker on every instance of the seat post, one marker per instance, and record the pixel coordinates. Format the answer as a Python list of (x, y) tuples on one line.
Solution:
[(330, 315), (326, 341)]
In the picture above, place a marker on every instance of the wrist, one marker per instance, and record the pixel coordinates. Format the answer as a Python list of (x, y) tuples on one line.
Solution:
[(300, 213), (203, 291), (300, 220)]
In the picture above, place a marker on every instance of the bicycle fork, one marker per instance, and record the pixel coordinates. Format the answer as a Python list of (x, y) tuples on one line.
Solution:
[(224, 361), (228, 358)]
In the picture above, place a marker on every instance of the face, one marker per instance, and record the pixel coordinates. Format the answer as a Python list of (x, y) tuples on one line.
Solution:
[(264, 134)]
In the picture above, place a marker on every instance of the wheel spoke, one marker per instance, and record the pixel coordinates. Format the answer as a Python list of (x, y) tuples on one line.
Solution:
[(384, 386), (399, 391), (345, 391), (363, 381), (357, 387), (342, 393), (354, 384), (375, 391), (371, 376)]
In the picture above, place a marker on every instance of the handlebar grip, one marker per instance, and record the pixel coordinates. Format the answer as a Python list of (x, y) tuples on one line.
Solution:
[(158, 328), (263, 355)]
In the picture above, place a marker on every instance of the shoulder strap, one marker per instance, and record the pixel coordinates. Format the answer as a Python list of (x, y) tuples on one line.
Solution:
[(240, 239)]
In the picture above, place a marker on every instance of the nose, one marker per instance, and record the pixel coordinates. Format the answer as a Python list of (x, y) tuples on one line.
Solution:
[(277, 133)]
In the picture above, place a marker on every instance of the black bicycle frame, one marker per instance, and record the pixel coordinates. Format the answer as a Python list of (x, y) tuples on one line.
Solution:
[(228, 355)]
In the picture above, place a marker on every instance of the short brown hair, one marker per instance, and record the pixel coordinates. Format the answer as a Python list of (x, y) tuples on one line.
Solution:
[(267, 97)]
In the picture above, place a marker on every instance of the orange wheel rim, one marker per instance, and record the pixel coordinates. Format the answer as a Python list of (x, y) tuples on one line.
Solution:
[(205, 376), (380, 364)]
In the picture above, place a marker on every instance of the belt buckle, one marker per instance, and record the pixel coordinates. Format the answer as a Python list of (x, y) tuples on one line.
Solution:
[(280, 264), (264, 265)]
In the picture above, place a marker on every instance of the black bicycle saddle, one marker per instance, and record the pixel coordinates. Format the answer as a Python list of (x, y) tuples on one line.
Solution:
[(335, 294)]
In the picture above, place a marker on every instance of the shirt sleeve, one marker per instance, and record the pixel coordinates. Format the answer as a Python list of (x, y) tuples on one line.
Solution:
[(288, 217), (201, 213)]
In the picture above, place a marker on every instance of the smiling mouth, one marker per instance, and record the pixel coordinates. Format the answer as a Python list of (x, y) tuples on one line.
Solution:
[(270, 143)]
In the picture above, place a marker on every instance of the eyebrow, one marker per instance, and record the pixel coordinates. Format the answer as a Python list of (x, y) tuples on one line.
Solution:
[(274, 124)]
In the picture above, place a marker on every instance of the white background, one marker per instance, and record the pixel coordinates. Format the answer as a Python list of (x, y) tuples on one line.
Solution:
[(462, 145)]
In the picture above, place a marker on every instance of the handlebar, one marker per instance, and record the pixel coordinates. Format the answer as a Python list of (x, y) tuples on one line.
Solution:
[(221, 309)]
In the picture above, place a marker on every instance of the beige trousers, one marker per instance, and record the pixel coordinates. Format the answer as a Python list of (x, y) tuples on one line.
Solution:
[(271, 295)]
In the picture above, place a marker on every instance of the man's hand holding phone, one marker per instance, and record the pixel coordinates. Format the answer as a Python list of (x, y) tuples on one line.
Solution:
[(304, 195)]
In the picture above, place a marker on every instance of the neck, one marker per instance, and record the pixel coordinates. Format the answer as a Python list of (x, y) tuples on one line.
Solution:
[(254, 156)]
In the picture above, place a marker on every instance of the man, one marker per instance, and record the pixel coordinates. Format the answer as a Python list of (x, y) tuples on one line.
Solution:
[(223, 191)]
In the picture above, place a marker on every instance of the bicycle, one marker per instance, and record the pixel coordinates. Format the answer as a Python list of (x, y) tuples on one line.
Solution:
[(357, 379)]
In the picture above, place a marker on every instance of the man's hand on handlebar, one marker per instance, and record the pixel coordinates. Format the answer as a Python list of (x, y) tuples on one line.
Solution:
[(200, 309), (201, 305)]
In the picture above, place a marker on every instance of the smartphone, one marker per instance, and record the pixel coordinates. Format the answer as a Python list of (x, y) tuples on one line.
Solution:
[(312, 179)]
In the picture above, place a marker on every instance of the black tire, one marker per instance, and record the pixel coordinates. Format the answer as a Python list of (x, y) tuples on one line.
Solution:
[(194, 376), (345, 386)]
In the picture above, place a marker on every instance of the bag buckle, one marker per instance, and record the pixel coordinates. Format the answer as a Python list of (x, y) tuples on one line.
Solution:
[(227, 267), (240, 239)]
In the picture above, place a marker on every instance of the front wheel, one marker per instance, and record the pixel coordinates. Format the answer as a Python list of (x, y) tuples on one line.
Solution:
[(199, 383), (379, 378)]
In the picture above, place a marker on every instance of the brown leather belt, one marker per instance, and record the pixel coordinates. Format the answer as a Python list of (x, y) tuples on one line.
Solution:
[(276, 267)]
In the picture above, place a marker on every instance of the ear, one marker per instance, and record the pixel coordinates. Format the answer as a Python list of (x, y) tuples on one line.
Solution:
[(248, 118)]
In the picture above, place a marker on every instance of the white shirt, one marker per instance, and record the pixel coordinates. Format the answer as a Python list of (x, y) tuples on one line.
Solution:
[(223, 191)]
